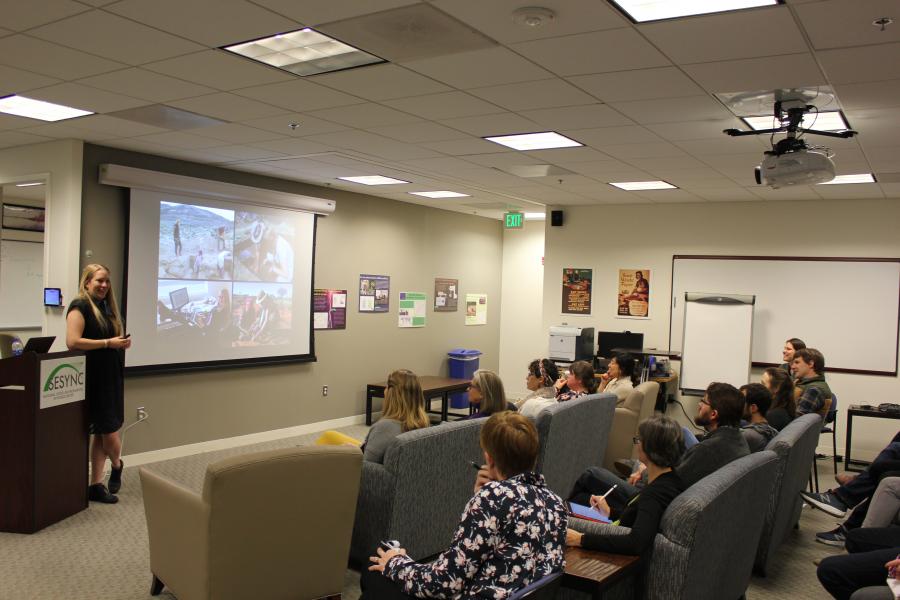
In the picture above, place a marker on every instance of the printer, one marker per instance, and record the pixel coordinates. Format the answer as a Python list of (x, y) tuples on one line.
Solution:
[(568, 344)]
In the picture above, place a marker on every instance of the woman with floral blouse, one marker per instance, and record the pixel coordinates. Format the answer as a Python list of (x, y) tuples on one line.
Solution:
[(512, 531)]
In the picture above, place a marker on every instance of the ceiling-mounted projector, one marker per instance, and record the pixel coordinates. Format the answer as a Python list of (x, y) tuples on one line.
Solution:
[(801, 166)]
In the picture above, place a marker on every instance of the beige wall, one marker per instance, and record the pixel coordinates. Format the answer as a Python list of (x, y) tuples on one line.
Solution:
[(412, 244), (646, 236)]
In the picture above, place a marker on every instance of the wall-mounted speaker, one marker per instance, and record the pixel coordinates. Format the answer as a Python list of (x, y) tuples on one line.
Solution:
[(556, 218)]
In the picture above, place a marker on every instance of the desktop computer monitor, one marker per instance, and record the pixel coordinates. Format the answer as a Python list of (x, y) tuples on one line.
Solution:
[(607, 340)]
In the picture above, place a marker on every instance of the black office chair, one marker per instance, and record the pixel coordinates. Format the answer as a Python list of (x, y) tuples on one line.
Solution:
[(828, 426)]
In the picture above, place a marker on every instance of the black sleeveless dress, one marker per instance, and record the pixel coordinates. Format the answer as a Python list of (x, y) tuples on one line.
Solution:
[(104, 387)]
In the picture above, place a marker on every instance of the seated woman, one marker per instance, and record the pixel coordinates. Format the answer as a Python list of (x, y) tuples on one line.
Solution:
[(541, 375), (578, 382), (787, 353), (617, 379), (660, 447), (404, 410), (487, 395), (784, 405), (511, 533)]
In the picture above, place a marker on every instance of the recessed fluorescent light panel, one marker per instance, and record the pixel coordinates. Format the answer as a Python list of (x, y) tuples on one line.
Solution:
[(634, 186), (440, 194), (373, 180), (858, 178), (33, 183), (534, 141), (304, 52), (535, 216), (832, 120), (641, 11), (38, 109)]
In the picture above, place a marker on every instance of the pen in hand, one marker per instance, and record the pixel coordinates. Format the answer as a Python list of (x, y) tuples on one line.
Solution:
[(475, 465), (603, 497)]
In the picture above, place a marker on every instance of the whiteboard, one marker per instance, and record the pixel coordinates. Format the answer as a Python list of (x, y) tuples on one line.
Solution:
[(847, 308), (21, 284), (703, 359)]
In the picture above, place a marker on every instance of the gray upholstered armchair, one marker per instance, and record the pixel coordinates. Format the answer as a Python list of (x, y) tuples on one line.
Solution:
[(272, 525)]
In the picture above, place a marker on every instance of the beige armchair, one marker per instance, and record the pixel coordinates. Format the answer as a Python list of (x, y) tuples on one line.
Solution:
[(271, 525), (637, 407)]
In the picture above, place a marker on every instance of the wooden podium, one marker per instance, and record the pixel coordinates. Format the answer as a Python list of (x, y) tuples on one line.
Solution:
[(43, 451)]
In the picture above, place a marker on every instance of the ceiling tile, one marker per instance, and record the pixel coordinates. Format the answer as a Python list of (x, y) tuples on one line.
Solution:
[(65, 130), (113, 126), (422, 131), (647, 150), (20, 16), (180, 139), (218, 69), (307, 125), (669, 110), (726, 36), (653, 165), (599, 169), (51, 59), (227, 107), (472, 145), (590, 115), (876, 94), (725, 145), (375, 145), (568, 157), (548, 93), (113, 37), (13, 122), (9, 139), (85, 98), (479, 68), (641, 84), (245, 153), (487, 125), (695, 130), (294, 147), (737, 194), (14, 81), (444, 106), (854, 65), (315, 12), (140, 83), (847, 192), (299, 95), (784, 194), (842, 23), (502, 160), (235, 133), (488, 176), (598, 52), (769, 73), (494, 18), (446, 164), (668, 196), (364, 115), (210, 22), (381, 82), (600, 137)]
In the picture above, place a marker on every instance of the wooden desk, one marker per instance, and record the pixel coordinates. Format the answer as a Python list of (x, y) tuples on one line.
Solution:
[(859, 411), (594, 572), (432, 387)]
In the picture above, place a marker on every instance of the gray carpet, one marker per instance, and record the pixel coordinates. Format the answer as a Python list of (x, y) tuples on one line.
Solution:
[(102, 553)]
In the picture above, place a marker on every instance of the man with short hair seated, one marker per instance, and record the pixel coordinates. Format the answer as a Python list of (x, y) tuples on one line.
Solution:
[(719, 412), (757, 432), (808, 368)]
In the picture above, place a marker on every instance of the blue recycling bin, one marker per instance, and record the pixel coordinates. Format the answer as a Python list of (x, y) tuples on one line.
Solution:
[(463, 364)]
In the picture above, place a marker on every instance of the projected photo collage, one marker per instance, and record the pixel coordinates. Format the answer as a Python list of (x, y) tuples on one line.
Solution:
[(225, 277)]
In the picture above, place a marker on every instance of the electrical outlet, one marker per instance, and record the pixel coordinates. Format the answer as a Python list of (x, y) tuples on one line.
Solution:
[(141, 413), (324, 390)]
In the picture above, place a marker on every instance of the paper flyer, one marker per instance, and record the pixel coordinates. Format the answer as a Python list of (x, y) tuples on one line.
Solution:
[(329, 309), (476, 309), (374, 293), (412, 309), (446, 294), (576, 291), (634, 294)]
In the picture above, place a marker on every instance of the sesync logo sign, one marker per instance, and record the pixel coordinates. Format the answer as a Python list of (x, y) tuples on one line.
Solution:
[(62, 381)]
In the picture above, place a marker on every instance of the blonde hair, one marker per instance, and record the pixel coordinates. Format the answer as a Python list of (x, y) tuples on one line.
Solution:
[(404, 401), (493, 398), (115, 323)]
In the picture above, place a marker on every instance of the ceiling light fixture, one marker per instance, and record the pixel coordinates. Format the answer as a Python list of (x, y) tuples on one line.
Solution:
[(535, 216), (534, 141), (38, 109), (304, 52), (641, 11), (373, 180), (440, 194), (633, 186), (31, 184), (857, 178), (830, 120)]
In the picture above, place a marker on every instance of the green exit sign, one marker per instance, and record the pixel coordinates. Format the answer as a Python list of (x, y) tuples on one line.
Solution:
[(513, 220)]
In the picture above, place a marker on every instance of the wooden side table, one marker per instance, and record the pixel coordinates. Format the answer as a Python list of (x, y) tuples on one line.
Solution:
[(594, 572)]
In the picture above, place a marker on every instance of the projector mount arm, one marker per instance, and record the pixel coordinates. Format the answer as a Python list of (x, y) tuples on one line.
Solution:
[(795, 112)]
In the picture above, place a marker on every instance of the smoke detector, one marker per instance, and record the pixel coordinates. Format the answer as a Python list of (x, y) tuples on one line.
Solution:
[(533, 17)]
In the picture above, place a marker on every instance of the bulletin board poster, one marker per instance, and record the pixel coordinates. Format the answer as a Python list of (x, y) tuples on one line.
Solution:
[(374, 293), (634, 294), (446, 294), (412, 309), (329, 309), (476, 309), (576, 291)]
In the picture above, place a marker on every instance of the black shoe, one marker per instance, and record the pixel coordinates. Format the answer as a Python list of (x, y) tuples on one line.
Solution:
[(115, 478), (99, 493)]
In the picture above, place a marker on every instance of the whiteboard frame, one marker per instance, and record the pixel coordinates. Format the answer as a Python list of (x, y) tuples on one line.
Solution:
[(798, 259)]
